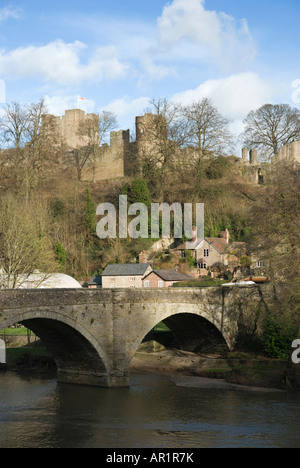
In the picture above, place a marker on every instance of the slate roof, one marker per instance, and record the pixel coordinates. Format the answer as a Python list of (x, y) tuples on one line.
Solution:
[(218, 243), (96, 280), (170, 275), (126, 269)]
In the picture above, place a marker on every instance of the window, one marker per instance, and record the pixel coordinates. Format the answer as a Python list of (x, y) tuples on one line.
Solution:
[(147, 284), (161, 284), (132, 278), (203, 266), (259, 264), (206, 252), (182, 254), (112, 280)]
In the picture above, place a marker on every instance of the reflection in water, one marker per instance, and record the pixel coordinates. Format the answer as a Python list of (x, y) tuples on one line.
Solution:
[(151, 413)]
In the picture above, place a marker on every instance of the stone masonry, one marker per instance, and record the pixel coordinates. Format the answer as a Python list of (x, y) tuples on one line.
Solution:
[(122, 158), (94, 334)]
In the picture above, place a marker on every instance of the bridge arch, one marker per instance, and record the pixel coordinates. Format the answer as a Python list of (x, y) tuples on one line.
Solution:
[(76, 352), (194, 329), (94, 334)]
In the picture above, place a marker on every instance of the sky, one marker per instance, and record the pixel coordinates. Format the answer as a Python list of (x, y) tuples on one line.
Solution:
[(119, 55)]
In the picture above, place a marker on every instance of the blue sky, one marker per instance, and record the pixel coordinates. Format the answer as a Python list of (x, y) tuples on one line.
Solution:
[(119, 55)]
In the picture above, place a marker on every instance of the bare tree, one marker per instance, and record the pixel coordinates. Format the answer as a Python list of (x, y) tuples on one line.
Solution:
[(25, 241), (169, 128), (92, 131), (42, 150), (207, 130), (107, 123), (207, 133), (31, 148), (13, 126), (270, 127)]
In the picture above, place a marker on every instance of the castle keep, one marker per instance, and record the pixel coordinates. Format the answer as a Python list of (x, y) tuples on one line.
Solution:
[(122, 157)]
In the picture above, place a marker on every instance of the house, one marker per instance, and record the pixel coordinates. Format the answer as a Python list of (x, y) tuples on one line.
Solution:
[(95, 283), (207, 252), (129, 275), (213, 252), (163, 278)]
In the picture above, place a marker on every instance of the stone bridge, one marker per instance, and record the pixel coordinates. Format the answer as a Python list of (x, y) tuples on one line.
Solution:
[(94, 334)]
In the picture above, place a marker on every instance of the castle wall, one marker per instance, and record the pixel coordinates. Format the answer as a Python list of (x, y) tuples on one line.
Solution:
[(111, 163), (151, 131), (122, 158), (68, 127), (290, 152)]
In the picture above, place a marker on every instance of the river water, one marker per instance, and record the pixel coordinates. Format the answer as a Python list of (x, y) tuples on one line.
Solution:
[(153, 412)]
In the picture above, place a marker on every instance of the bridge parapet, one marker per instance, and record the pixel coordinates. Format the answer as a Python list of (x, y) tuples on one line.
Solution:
[(94, 334)]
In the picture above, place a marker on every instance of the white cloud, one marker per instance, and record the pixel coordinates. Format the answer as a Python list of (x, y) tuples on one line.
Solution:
[(8, 12), (60, 63), (234, 96), (127, 107), (57, 104), (218, 36)]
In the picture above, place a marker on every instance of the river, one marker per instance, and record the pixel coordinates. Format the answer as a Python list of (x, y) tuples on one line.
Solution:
[(40, 413)]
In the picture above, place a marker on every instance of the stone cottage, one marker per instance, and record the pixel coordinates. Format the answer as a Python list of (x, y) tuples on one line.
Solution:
[(125, 275), (163, 278)]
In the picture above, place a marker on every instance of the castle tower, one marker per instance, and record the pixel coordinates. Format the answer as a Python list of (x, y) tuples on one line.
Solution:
[(151, 130), (67, 127), (245, 154), (253, 157), (295, 151)]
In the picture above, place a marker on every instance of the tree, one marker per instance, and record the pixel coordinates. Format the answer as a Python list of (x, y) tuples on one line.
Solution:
[(275, 227), (207, 131), (270, 127), (42, 150), (89, 213), (166, 131), (13, 125), (31, 147), (93, 131), (61, 256), (25, 241)]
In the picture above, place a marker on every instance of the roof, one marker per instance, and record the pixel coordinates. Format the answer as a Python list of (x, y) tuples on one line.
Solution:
[(170, 275), (218, 243), (97, 280), (189, 245), (126, 269)]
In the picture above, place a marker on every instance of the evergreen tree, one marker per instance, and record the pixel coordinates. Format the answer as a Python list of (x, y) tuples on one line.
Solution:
[(61, 256), (89, 213)]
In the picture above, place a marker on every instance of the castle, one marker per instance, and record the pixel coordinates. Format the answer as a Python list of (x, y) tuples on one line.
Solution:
[(122, 157)]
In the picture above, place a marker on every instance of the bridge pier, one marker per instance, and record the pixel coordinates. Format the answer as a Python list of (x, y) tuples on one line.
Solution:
[(114, 379), (118, 379)]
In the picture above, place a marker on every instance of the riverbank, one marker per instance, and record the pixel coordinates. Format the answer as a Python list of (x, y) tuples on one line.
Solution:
[(234, 371)]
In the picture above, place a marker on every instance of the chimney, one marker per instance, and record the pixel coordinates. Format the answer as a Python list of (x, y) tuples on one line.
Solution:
[(143, 257), (194, 231), (227, 236)]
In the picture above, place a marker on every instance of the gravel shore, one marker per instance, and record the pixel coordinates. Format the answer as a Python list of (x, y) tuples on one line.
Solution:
[(213, 372)]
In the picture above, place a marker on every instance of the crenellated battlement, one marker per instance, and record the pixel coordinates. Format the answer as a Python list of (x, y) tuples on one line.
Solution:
[(121, 157)]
